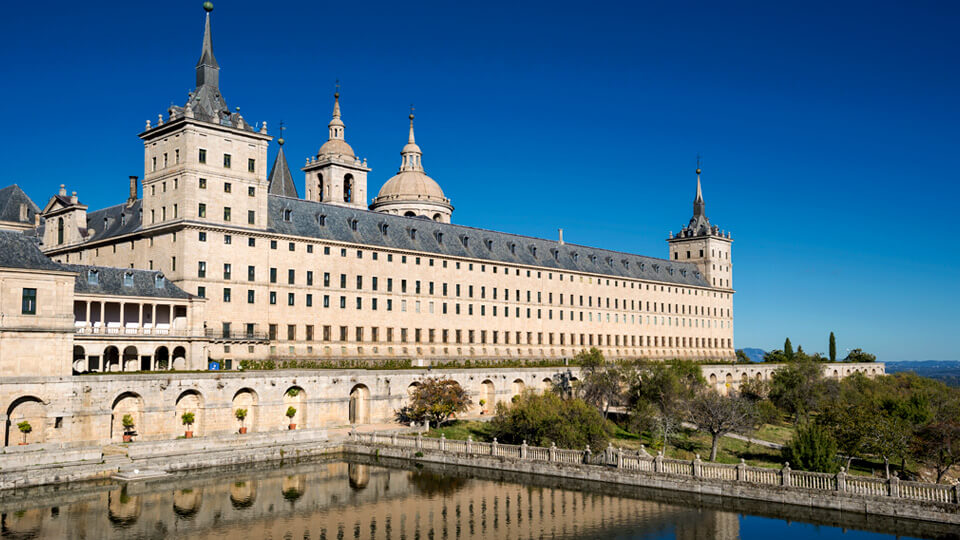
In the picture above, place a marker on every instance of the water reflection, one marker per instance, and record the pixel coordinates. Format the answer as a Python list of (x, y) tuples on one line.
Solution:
[(328, 500)]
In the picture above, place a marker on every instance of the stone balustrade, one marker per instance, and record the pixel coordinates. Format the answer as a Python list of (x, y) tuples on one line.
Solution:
[(644, 463)]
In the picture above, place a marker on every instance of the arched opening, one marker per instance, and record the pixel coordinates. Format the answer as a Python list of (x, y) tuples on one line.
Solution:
[(79, 360), (190, 401), (836, 374), (359, 408), (293, 487), (26, 523), (245, 399), (126, 403), (410, 213), (162, 358), (546, 384), (743, 378), (179, 359), (130, 359), (517, 387), (27, 409), (186, 502), (320, 187), (713, 380), (437, 217), (243, 494), (295, 397), (111, 359), (358, 475), (348, 188), (489, 396), (59, 230), (122, 509)]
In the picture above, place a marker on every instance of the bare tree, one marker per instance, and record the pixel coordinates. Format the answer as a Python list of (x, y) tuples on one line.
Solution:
[(720, 415)]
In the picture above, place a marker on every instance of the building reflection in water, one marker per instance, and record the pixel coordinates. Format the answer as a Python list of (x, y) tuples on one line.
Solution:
[(352, 500)]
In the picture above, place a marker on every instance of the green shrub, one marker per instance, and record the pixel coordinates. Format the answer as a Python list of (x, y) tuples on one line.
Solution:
[(542, 419), (813, 448)]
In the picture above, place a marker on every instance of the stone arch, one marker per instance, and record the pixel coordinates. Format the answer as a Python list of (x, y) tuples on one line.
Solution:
[(293, 487), (546, 384), (728, 379), (759, 376), (410, 213), (744, 378), (162, 358), (359, 406), (488, 393), (836, 374), (79, 359), (187, 502), (295, 397), (122, 510), (358, 475), (126, 403), (713, 379), (320, 192), (190, 401), (26, 409), (26, 523), (517, 387), (243, 494), (111, 359), (179, 358), (131, 361), (349, 188), (246, 398)]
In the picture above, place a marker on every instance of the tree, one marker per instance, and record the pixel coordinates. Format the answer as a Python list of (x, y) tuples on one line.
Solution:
[(788, 349), (719, 415), (938, 445), (241, 415), (545, 418), (857, 355), (24, 428), (601, 383), (742, 357), (833, 347), (775, 356), (659, 395), (797, 388), (812, 449), (187, 418), (435, 400)]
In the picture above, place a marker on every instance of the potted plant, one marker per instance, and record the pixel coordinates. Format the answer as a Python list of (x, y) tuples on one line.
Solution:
[(241, 415), (482, 403), (291, 412), (187, 418), (128, 432), (24, 428)]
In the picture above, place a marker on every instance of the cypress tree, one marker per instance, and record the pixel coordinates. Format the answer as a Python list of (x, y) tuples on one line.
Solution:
[(788, 348), (833, 347)]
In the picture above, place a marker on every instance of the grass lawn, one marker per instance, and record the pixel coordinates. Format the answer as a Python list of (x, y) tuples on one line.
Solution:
[(688, 443), (461, 429)]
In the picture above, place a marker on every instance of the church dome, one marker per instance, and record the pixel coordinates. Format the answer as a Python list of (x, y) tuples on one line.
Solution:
[(335, 147), (411, 185)]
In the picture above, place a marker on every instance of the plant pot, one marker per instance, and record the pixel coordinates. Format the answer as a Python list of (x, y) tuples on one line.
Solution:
[(128, 438), (188, 435), (243, 430), (22, 444), (292, 426)]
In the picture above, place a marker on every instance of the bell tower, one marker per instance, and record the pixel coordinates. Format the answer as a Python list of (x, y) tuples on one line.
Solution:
[(705, 244), (336, 175)]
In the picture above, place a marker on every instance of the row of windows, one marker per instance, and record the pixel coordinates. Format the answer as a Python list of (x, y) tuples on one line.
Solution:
[(202, 158), (373, 334)]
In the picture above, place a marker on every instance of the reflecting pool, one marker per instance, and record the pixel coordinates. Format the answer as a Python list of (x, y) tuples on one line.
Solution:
[(354, 498)]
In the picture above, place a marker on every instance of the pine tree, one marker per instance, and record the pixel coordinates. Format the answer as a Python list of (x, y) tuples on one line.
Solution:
[(833, 347), (788, 349)]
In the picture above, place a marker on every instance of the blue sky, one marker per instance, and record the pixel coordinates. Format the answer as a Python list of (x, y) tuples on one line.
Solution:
[(828, 129)]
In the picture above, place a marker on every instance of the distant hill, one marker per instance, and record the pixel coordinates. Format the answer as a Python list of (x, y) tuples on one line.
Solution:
[(755, 355), (947, 371)]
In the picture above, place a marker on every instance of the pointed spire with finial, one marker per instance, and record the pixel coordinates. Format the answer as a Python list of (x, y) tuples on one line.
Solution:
[(336, 124), (208, 70), (280, 182), (411, 152), (699, 207)]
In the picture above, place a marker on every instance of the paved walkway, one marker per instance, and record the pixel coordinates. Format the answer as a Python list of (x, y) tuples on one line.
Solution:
[(737, 436)]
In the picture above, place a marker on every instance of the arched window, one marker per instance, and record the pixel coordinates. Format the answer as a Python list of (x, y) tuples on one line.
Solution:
[(436, 217), (348, 188), (320, 187), (59, 230), (409, 213)]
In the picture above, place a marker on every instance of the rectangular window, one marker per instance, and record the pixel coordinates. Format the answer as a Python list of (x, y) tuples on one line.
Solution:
[(202, 155), (373, 283), (291, 275), (326, 300), (250, 296), (343, 302), (227, 239), (226, 161), (251, 165), (227, 187), (202, 292), (251, 273), (359, 282), (251, 217), (326, 279), (291, 332), (273, 298), (203, 183), (202, 236), (226, 213), (202, 210), (202, 269), (290, 299), (309, 300), (309, 277), (273, 275), (343, 281), (226, 294), (28, 303)]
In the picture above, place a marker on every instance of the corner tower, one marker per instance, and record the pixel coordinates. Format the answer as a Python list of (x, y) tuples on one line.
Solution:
[(336, 175), (704, 244), (205, 163), (411, 192)]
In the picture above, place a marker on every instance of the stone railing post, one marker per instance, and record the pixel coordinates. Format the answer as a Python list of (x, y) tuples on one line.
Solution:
[(697, 466), (469, 444), (619, 458), (493, 447), (443, 442), (393, 438), (608, 454), (553, 451), (353, 432), (842, 480), (586, 455), (523, 450), (893, 486), (956, 492), (658, 462), (785, 474), (741, 470), (419, 441), (373, 437)]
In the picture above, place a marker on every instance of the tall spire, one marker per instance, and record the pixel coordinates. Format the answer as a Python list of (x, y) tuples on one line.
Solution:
[(411, 152), (699, 207), (280, 181), (208, 70), (336, 124)]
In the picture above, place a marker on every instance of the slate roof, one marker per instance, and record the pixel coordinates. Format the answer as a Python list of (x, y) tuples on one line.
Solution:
[(11, 197), (280, 179), (110, 281), (120, 219), (21, 251), (331, 222)]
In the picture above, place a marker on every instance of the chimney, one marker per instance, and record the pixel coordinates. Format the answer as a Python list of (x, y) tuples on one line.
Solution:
[(63, 190), (73, 198), (561, 237), (133, 190)]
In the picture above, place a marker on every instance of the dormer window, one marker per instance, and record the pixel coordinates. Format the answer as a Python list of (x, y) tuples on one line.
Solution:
[(159, 281), (626, 263), (576, 256), (513, 248), (383, 229), (643, 267), (533, 250), (610, 261), (287, 214), (439, 236), (321, 220), (413, 234), (656, 268), (593, 259), (556, 254), (489, 243), (93, 277), (128, 279), (123, 218), (466, 241), (353, 224)]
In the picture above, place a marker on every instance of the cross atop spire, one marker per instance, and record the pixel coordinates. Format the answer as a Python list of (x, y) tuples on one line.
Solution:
[(411, 152), (336, 125)]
